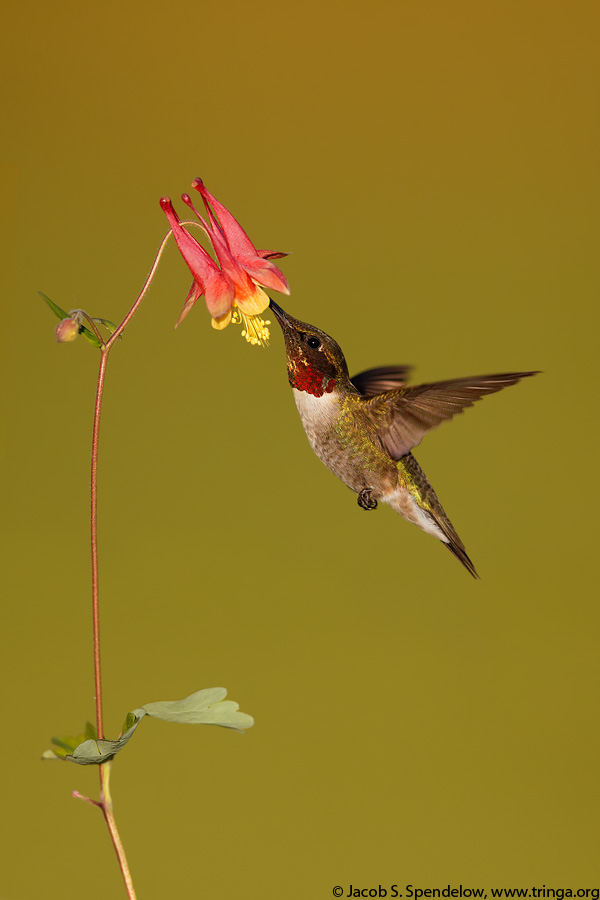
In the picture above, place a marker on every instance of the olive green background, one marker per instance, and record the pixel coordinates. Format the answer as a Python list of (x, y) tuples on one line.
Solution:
[(434, 169)]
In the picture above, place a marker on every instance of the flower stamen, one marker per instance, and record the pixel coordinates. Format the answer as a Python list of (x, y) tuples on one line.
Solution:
[(255, 328)]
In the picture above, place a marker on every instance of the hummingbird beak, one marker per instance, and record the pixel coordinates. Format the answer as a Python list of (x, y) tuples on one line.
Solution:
[(280, 314), (289, 325)]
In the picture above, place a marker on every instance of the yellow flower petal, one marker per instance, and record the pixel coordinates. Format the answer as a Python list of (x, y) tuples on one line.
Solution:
[(253, 304), (221, 322)]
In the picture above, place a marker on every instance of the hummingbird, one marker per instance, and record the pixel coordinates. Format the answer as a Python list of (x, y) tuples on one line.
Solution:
[(364, 428)]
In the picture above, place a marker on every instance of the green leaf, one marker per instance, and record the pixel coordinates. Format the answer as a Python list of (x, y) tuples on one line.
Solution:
[(206, 707), (110, 326), (95, 752), (63, 314), (67, 744)]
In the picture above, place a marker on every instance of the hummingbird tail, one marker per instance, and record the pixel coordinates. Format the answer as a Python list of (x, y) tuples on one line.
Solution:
[(417, 502), (460, 553)]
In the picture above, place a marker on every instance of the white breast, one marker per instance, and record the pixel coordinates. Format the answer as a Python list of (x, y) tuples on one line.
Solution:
[(317, 413)]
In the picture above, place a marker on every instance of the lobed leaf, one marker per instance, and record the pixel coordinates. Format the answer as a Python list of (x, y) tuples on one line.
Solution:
[(205, 707)]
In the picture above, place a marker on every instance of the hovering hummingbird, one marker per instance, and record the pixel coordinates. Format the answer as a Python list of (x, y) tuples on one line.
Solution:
[(364, 428)]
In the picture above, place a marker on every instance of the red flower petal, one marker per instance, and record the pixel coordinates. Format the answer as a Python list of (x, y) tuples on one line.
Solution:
[(214, 223), (202, 267), (271, 254), (193, 294), (220, 246), (265, 273), (219, 294), (238, 241)]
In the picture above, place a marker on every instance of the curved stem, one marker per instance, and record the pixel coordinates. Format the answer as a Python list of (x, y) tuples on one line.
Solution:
[(81, 314), (141, 295)]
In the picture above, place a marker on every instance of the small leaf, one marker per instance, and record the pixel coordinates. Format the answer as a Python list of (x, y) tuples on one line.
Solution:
[(63, 314), (67, 744), (110, 326), (132, 717), (95, 752), (91, 337), (206, 707), (50, 754)]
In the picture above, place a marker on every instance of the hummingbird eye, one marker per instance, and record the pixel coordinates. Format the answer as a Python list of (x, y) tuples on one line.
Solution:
[(313, 341)]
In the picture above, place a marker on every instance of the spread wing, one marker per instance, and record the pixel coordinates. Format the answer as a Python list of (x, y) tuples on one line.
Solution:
[(376, 381), (403, 416)]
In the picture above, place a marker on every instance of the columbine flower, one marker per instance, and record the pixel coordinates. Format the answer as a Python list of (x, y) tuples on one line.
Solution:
[(233, 292)]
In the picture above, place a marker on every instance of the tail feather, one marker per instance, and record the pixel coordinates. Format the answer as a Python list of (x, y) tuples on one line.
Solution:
[(426, 498), (460, 553)]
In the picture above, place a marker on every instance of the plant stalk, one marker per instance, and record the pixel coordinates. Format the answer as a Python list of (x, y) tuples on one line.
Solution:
[(105, 796), (94, 541), (107, 809)]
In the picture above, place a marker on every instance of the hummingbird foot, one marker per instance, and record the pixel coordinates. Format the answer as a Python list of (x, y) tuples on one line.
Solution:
[(365, 501)]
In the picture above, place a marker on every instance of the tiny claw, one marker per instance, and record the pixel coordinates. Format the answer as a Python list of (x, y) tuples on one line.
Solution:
[(365, 501)]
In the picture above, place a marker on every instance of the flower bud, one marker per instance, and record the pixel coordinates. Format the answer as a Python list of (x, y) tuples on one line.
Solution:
[(66, 330)]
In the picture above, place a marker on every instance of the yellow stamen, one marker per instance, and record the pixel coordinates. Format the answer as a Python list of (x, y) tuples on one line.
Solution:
[(255, 329)]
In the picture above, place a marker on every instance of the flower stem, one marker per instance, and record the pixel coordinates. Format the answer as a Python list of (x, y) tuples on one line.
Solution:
[(94, 541), (81, 314), (118, 331), (105, 796), (107, 809)]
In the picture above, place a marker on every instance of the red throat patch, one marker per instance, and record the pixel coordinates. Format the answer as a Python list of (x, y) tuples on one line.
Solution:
[(305, 378)]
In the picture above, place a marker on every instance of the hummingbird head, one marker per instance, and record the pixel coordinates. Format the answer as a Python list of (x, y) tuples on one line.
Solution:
[(315, 361)]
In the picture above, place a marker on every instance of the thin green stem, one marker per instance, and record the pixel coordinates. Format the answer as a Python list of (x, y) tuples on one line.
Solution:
[(107, 809)]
